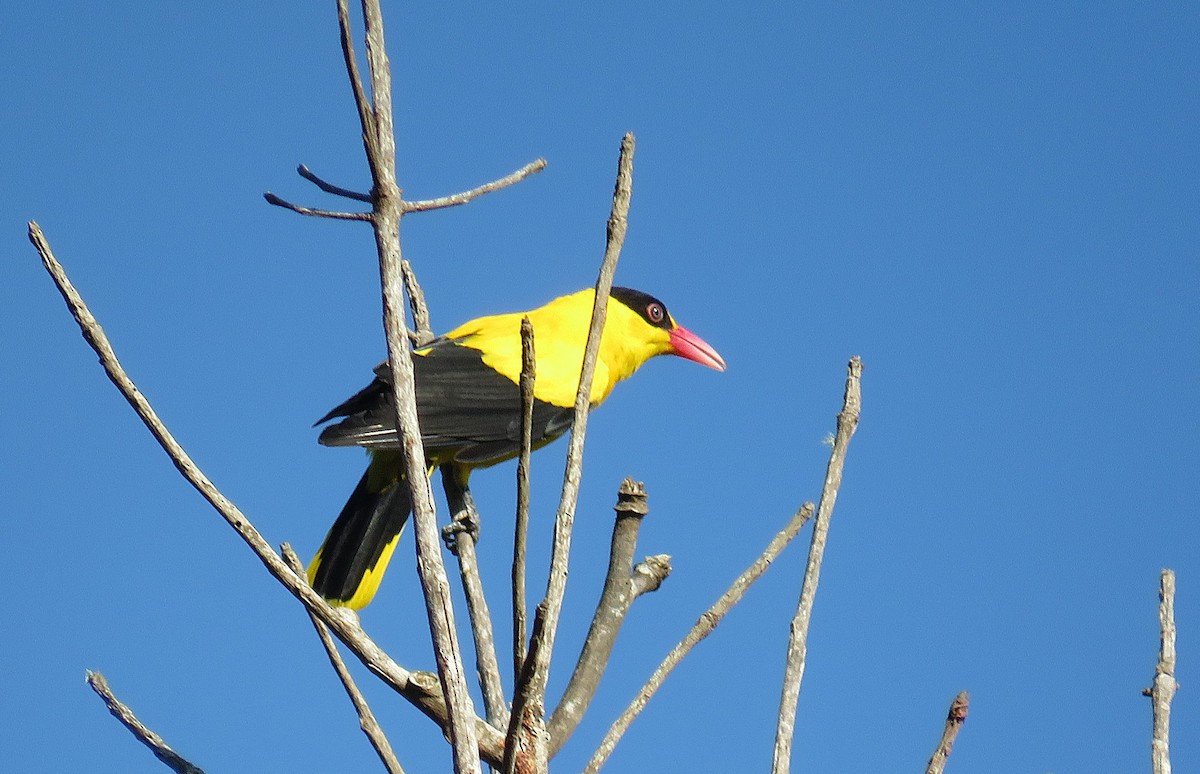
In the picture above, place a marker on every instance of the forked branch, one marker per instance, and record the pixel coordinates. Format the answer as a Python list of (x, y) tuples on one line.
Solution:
[(703, 627), (414, 686), (622, 585)]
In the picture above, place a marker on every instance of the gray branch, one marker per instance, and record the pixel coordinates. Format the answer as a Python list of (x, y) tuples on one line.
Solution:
[(416, 303), (380, 142), (121, 712), (457, 199), (954, 721), (847, 422), (622, 585), (366, 718), (521, 528), (1163, 690), (327, 187), (463, 531), (527, 744), (556, 584), (314, 212), (414, 686), (704, 626)]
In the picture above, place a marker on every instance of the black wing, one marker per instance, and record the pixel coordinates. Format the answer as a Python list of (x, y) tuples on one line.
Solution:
[(467, 411)]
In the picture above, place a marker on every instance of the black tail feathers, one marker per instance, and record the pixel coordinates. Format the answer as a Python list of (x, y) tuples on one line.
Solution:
[(352, 560)]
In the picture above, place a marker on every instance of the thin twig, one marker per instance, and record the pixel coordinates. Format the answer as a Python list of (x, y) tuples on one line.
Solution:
[(366, 116), (327, 187), (366, 718), (521, 531), (1163, 689), (464, 524), (556, 584), (704, 626), (622, 585), (278, 202), (954, 721), (121, 712), (847, 423), (454, 200), (416, 303), (425, 696)]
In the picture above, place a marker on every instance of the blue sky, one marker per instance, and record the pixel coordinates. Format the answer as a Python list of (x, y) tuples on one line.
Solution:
[(996, 206)]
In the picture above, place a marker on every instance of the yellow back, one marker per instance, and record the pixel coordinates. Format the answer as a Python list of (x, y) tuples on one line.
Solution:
[(560, 334)]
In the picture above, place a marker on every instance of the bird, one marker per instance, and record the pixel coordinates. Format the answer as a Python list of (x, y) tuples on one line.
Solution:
[(469, 411)]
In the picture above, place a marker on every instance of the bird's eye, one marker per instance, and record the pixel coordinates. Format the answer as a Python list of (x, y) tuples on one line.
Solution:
[(655, 313)]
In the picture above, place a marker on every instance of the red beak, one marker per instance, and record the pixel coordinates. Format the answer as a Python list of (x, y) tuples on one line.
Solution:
[(691, 347)]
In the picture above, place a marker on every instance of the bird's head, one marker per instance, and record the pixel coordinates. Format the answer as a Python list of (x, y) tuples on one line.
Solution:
[(666, 336)]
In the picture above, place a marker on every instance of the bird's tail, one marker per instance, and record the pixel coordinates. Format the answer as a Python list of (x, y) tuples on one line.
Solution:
[(347, 569)]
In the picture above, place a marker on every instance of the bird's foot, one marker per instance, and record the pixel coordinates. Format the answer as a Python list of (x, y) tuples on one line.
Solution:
[(463, 522)]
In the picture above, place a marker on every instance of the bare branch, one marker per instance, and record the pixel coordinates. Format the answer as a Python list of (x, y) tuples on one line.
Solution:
[(366, 718), (526, 743), (366, 117), (383, 157), (388, 208), (121, 712), (521, 533), (454, 200), (847, 422), (278, 202), (337, 190), (797, 645), (464, 524), (556, 584), (412, 685), (1163, 690), (954, 721), (703, 627), (416, 303), (622, 585)]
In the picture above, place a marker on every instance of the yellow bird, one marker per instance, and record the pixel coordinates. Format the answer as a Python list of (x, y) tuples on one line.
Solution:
[(469, 410)]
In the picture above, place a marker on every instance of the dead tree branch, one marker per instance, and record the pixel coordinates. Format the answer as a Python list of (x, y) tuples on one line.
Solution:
[(379, 141), (704, 626), (521, 529), (416, 304), (847, 423), (121, 712), (463, 531), (314, 212), (414, 686), (527, 745), (622, 585), (396, 277), (1162, 691), (366, 718), (556, 584), (954, 721), (327, 187), (454, 200)]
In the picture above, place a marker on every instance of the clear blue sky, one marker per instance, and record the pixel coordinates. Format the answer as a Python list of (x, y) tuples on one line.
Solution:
[(996, 206)]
